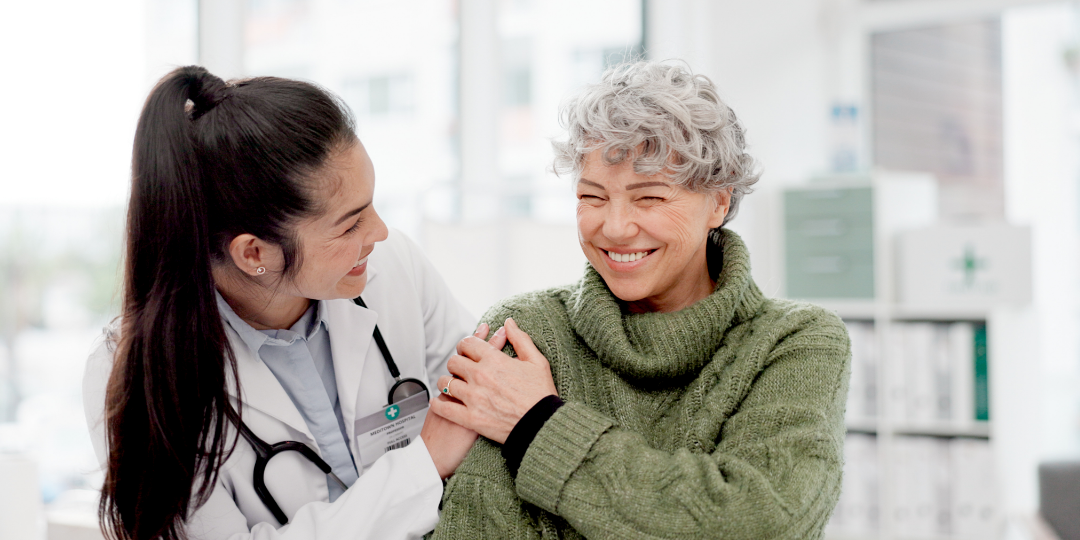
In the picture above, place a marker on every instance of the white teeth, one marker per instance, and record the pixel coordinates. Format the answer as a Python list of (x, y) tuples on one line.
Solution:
[(627, 257)]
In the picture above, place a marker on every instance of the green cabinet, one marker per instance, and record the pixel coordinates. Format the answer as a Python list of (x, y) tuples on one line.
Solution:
[(829, 242)]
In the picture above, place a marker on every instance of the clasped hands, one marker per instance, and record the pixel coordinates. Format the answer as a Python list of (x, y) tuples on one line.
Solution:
[(490, 391)]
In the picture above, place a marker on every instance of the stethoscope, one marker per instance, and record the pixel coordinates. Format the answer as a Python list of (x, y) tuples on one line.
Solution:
[(264, 451)]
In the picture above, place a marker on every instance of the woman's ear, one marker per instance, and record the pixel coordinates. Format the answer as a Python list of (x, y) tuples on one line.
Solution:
[(723, 204), (250, 254)]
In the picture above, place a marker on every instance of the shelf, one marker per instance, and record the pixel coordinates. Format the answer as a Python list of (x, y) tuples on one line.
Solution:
[(887, 457), (922, 313), (869, 310), (862, 426), (847, 309), (974, 430), (878, 536)]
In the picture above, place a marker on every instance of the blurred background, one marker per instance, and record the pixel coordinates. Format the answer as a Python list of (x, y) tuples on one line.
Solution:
[(921, 177)]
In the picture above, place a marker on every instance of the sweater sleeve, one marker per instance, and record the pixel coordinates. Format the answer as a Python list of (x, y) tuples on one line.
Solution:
[(773, 473), (480, 502)]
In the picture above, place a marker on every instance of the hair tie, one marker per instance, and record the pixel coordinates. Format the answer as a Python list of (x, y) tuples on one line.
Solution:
[(206, 91), (202, 104)]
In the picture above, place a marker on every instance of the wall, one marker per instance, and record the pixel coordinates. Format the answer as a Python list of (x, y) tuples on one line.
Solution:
[(769, 59), (1042, 167)]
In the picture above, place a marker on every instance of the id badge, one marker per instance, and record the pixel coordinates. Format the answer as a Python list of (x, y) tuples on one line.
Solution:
[(392, 427)]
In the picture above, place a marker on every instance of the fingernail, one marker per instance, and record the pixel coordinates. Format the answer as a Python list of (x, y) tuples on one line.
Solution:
[(510, 320), (480, 329), (501, 331)]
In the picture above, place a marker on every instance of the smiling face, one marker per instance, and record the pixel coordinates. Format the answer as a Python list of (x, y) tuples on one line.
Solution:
[(335, 245), (645, 235)]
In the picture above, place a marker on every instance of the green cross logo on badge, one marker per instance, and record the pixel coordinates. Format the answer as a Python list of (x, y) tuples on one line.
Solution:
[(392, 412)]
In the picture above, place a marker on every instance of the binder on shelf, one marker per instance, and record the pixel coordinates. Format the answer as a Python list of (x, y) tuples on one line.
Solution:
[(897, 389), (940, 467), (862, 392), (922, 501), (942, 367), (857, 513), (974, 507), (918, 346), (962, 356), (907, 479), (982, 379)]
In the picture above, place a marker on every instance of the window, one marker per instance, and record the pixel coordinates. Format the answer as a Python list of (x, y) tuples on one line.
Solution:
[(379, 96), (393, 63)]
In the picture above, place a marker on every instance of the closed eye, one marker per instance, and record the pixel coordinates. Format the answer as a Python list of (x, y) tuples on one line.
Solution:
[(355, 226)]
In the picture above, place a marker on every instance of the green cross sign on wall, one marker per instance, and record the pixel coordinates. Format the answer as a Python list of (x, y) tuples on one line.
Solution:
[(969, 264)]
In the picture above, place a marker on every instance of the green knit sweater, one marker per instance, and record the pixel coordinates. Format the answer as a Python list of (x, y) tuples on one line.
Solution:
[(722, 420)]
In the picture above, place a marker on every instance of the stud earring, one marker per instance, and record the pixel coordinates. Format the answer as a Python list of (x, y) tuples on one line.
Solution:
[(260, 270)]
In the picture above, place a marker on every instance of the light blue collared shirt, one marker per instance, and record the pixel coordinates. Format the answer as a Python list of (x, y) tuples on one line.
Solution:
[(301, 360)]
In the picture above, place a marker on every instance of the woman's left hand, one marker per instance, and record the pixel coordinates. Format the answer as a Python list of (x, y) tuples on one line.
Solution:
[(491, 391)]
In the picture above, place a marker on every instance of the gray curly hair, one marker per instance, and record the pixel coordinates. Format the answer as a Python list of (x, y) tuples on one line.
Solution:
[(664, 118)]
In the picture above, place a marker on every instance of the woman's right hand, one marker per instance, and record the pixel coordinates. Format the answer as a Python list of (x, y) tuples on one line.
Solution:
[(492, 391), (447, 442)]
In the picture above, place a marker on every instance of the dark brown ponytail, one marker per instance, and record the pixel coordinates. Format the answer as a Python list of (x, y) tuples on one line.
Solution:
[(210, 161)]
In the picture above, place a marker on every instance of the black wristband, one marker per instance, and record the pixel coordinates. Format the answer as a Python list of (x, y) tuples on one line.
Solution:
[(513, 450)]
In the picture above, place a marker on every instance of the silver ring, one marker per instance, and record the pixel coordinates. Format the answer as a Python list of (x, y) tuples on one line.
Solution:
[(446, 389)]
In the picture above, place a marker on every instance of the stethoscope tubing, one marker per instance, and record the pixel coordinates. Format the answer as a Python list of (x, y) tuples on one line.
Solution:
[(389, 358), (264, 451)]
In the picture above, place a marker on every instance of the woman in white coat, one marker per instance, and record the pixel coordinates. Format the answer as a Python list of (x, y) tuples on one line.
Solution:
[(248, 391)]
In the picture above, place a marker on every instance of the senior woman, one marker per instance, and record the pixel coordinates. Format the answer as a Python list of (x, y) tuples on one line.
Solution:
[(662, 396)]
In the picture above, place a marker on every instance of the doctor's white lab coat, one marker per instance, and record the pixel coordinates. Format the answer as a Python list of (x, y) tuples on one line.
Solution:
[(398, 495)]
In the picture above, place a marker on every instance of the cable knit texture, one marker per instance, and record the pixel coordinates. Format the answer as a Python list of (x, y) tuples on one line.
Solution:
[(722, 420)]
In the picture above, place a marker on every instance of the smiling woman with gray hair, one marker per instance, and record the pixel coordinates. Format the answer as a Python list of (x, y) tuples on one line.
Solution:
[(661, 396)]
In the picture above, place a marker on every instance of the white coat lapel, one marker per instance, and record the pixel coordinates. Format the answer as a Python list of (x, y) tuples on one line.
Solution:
[(351, 341), (261, 389)]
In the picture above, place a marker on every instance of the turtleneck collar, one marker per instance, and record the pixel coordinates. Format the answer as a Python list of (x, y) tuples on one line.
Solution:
[(665, 345)]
